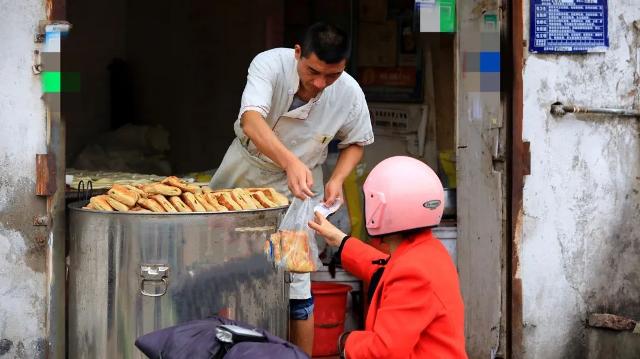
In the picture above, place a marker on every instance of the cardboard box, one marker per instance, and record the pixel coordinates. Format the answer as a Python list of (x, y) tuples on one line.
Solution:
[(378, 44)]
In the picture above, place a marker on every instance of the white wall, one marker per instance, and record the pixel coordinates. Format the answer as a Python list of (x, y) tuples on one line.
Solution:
[(22, 135), (580, 250)]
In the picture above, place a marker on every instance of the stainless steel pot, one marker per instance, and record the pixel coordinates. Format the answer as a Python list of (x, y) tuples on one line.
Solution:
[(449, 203), (130, 274)]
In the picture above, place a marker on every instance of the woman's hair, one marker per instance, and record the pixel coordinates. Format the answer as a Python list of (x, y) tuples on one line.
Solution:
[(406, 234), (412, 232), (330, 43)]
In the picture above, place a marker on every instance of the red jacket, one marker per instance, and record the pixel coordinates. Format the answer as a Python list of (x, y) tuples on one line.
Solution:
[(416, 310)]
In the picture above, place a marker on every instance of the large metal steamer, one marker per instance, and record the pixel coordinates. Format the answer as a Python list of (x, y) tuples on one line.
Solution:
[(130, 274)]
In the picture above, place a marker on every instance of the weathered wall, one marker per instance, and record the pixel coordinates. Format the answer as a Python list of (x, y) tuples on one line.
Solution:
[(22, 135), (580, 238)]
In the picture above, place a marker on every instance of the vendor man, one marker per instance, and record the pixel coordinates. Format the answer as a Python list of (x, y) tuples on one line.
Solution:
[(294, 103)]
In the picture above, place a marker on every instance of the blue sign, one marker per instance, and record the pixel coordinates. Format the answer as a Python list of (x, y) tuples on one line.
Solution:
[(568, 26)]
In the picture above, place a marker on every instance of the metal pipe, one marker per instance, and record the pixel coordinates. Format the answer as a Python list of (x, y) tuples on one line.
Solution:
[(558, 109)]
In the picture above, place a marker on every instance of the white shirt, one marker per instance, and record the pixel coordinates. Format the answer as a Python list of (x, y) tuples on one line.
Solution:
[(339, 111)]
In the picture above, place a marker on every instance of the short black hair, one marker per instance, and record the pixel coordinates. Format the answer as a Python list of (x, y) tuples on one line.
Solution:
[(329, 42)]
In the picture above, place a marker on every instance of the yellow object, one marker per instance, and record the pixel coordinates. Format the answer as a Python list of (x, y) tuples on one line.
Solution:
[(352, 188), (448, 166), (203, 177), (200, 177)]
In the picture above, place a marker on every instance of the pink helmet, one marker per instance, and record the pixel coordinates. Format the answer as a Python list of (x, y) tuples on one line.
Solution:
[(402, 193)]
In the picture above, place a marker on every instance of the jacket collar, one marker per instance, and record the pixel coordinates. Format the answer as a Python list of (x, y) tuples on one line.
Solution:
[(411, 242), (294, 80)]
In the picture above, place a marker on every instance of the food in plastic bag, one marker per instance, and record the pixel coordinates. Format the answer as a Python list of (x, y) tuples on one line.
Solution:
[(294, 247)]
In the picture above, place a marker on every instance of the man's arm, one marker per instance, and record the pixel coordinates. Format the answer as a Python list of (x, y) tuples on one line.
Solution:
[(347, 161), (299, 177)]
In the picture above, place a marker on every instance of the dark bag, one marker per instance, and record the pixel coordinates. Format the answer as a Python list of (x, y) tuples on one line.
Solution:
[(197, 340)]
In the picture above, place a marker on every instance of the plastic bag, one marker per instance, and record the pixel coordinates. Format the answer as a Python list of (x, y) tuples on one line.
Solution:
[(293, 247)]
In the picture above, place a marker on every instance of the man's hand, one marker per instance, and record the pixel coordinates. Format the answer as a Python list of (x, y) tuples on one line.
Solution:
[(347, 161), (332, 235), (332, 190), (299, 178)]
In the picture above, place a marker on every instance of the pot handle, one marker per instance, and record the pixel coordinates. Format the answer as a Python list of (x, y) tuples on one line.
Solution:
[(256, 229), (145, 293), (154, 273)]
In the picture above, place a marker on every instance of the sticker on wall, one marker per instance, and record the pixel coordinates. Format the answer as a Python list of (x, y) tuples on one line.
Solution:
[(54, 81), (482, 71), (437, 15), (568, 26), (490, 22)]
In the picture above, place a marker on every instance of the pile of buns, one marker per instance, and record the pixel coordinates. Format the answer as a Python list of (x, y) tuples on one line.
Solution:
[(291, 250), (172, 195)]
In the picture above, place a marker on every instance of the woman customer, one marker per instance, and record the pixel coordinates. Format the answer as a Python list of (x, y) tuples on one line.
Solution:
[(416, 308)]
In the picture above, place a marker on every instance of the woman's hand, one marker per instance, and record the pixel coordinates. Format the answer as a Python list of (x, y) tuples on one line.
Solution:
[(332, 235)]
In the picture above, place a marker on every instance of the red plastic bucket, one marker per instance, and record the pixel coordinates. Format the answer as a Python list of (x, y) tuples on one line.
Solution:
[(329, 313)]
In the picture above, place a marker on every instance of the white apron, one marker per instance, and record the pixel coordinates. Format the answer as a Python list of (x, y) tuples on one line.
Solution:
[(242, 168), (239, 168)]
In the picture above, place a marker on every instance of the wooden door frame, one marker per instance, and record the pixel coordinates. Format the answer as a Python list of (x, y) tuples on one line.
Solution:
[(56, 9), (520, 167), (56, 311)]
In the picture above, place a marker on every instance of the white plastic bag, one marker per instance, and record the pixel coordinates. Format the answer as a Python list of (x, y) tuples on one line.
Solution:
[(293, 247)]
